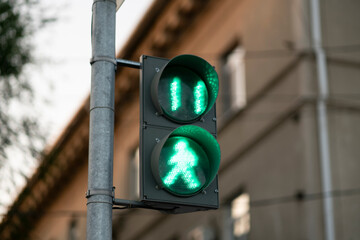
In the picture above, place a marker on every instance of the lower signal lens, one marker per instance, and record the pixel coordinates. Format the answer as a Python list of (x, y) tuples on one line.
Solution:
[(186, 161), (183, 166)]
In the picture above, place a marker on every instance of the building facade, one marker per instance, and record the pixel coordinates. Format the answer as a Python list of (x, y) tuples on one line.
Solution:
[(287, 118)]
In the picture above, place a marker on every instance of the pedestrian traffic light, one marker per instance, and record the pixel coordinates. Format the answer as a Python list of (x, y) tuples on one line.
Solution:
[(179, 155)]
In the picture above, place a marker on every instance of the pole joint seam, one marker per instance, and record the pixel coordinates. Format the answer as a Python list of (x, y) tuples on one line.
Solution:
[(109, 202), (103, 58), (112, 109)]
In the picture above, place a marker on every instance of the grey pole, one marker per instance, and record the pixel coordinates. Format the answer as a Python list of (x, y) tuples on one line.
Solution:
[(322, 120), (101, 136)]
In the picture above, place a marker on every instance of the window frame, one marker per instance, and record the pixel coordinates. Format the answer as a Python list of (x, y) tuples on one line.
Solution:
[(232, 95)]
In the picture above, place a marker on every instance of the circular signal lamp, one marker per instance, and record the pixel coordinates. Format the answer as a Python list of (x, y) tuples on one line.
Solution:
[(186, 161), (185, 89)]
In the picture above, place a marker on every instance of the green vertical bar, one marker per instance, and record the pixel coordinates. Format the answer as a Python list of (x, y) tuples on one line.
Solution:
[(199, 97), (175, 94)]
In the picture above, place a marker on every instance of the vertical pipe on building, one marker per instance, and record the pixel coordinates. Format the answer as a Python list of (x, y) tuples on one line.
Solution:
[(101, 136), (322, 120)]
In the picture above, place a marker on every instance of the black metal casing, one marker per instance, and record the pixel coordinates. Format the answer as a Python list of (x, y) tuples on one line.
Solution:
[(153, 128)]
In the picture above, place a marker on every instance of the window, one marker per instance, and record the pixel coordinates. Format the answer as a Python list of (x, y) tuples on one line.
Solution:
[(73, 230), (241, 216), (134, 191), (237, 218), (232, 96), (201, 233)]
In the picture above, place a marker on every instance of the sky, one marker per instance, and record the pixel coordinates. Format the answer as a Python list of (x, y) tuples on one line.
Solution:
[(61, 75), (63, 49)]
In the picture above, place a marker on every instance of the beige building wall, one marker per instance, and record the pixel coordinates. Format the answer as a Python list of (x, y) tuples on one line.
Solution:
[(66, 214), (270, 148)]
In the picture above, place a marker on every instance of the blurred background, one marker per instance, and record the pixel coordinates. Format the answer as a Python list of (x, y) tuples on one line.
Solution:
[(51, 81), (287, 110)]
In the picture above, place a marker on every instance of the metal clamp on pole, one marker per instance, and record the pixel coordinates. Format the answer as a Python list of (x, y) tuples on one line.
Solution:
[(92, 192), (102, 58), (103, 192)]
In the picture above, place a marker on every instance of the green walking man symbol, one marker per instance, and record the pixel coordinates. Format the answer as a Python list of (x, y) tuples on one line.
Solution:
[(183, 163)]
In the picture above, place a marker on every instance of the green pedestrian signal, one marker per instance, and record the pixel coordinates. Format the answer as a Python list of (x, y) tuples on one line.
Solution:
[(179, 154), (179, 163), (185, 89), (186, 162)]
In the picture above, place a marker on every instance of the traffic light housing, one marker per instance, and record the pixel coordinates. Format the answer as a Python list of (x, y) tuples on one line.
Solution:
[(179, 154)]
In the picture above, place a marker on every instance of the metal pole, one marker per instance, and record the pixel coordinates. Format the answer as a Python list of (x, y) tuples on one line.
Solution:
[(322, 120), (101, 136)]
